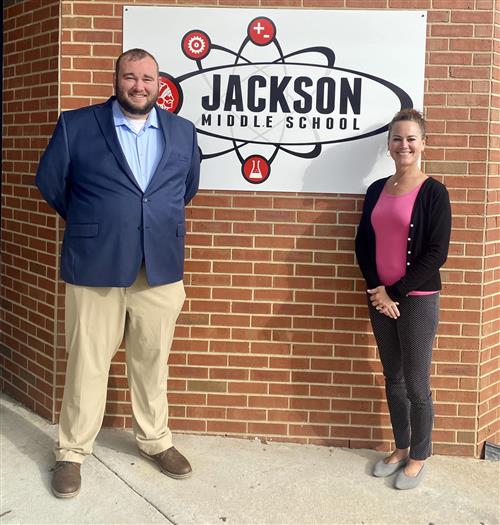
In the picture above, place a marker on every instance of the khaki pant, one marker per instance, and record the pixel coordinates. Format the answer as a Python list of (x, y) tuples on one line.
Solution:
[(96, 320)]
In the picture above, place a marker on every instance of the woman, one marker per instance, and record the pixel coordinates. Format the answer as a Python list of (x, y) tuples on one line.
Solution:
[(401, 243)]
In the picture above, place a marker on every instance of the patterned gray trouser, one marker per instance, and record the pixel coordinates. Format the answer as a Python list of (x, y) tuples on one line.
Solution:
[(405, 349)]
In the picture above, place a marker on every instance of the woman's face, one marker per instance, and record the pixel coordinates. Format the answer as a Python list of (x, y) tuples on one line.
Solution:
[(406, 143)]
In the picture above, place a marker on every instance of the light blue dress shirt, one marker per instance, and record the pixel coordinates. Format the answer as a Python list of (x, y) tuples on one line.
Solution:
[(143, 150)]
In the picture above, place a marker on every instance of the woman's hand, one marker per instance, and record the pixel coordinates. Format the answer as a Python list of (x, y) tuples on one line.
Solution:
[(383, 303)]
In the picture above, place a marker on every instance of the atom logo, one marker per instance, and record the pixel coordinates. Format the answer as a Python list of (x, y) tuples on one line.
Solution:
[(287, 103)]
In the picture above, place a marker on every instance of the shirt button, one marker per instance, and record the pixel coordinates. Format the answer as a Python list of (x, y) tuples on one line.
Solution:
[(407, 264), (409, 252), (409, 238), (411, 225)]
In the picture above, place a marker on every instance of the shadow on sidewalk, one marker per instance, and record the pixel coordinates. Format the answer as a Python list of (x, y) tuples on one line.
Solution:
[(30, 441)]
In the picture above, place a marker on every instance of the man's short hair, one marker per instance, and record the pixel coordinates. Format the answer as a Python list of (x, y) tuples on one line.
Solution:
[(134, 54)]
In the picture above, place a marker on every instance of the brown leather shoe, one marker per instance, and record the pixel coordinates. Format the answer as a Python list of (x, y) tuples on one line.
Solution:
[(66, 480), (171, 462)]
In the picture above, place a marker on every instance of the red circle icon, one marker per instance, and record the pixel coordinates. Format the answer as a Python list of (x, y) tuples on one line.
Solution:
[(261, 31), (196, 44), (170, 93), (256, 169)]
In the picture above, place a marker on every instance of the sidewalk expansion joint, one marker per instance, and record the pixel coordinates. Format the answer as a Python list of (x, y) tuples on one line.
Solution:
[(134, 490)]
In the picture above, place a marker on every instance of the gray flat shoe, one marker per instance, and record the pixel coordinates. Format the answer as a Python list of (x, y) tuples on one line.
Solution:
[(382, 469), (404, 482)]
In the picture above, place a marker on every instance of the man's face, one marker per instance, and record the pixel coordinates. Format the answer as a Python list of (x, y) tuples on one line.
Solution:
[(137, 85)]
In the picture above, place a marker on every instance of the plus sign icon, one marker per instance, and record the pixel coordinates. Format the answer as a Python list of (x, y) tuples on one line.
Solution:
[(261, 31)]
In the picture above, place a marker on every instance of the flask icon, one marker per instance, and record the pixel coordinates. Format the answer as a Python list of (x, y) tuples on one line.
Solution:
[(255, 169), (255, 173)]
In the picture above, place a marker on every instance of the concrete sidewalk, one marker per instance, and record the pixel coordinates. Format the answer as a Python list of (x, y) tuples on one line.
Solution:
[(235, 481)]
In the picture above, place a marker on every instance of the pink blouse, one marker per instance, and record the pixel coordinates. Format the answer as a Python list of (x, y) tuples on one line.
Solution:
[(391, 222)]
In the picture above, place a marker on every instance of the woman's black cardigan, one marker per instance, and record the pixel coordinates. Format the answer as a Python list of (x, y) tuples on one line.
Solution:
[(428, 240)]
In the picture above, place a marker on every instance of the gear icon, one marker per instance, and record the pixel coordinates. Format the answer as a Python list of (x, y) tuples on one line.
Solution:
[(196, 45)]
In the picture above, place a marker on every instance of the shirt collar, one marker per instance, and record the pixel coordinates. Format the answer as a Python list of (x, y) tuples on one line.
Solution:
[(121, 120)]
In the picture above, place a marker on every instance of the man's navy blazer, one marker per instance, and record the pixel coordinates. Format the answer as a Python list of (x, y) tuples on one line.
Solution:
[(112, 226)]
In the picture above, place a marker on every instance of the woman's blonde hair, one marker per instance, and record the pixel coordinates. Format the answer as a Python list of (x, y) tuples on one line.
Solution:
[(412, 115)]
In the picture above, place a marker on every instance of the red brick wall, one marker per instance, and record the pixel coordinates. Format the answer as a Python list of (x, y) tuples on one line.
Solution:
[(29, 228), (274, 340), (489, 384)]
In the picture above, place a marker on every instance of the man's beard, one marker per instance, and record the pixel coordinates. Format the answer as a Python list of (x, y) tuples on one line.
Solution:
[(134, 110)]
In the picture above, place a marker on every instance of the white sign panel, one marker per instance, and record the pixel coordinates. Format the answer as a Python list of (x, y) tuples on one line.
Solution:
[(285, 100)]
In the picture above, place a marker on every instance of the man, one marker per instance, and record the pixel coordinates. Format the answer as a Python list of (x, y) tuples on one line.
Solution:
[(120, 175)]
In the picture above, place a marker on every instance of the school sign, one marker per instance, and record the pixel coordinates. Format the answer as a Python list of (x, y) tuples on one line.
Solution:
[(285, 100)]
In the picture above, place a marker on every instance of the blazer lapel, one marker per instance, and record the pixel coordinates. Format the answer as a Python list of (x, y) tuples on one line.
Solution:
[(164, 120), (104, 116)]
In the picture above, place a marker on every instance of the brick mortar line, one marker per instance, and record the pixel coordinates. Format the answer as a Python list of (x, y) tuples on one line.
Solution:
[(30, 371), (45, 395), (29, 309)]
